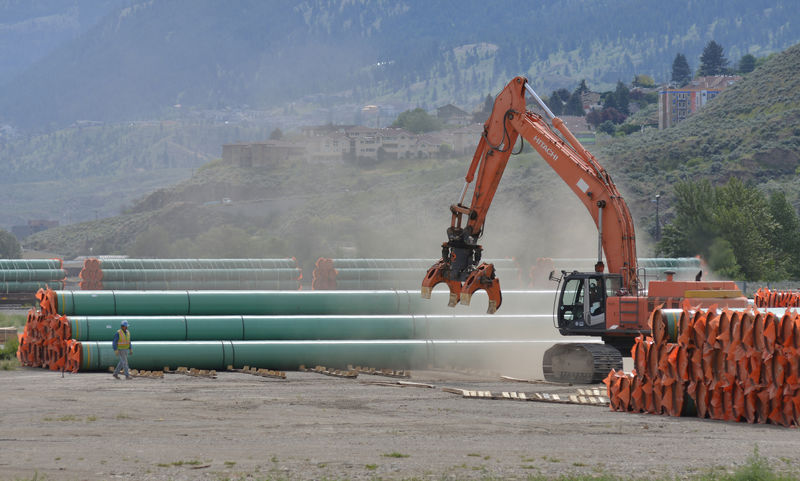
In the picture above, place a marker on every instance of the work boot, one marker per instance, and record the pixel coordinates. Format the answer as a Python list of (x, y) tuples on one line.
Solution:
[(128, 377), (116, 376)]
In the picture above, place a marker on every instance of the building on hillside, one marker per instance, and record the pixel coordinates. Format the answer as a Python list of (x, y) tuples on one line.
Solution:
[(676, 104), (396, 144), (452, 115), (463, 140), (330, 147), (262, 154)]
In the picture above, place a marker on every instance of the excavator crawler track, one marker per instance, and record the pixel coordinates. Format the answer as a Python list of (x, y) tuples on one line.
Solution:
[(580, 363)]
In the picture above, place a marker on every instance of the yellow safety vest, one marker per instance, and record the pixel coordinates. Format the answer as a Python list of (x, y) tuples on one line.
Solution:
[(124, 341)]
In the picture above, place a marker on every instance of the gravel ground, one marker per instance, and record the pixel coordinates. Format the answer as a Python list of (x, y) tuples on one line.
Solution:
[(310, 426)]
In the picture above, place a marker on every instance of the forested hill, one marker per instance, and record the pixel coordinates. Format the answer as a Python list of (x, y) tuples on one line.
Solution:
[(750, 131), (148, 56), (398, 208)]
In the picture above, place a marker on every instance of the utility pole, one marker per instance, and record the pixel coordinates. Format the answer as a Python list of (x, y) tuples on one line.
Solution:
[(658, 222)]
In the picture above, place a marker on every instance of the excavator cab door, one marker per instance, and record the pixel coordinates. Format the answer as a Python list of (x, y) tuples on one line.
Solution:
[(581, 303)]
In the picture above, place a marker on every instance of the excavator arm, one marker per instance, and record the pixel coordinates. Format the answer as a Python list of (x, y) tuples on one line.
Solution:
[(460, 266)]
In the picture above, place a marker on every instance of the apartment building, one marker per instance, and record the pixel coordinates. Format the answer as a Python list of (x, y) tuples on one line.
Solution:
[(676, 104)]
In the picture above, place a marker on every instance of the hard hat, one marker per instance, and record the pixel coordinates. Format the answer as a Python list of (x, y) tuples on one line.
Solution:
[(124, 323)]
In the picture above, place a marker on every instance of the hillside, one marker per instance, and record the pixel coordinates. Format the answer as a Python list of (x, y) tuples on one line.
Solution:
[(30, 30), (89, 171), (750, 131), (399, 208), (146, 57)]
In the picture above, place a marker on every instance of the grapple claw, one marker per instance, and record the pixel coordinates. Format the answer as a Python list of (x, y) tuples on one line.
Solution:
[(483, 278), (436, 275)]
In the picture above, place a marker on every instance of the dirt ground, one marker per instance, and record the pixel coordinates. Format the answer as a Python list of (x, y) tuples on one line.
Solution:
[(89, 426)]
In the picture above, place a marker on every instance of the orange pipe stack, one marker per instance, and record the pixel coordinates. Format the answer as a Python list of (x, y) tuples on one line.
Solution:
[(324, 277), (91, 275), (767, 298), (44, 341), (726, 365)]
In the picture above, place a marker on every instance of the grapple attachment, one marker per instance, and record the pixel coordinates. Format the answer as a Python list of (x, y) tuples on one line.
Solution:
[(437, 274), (483, 277)]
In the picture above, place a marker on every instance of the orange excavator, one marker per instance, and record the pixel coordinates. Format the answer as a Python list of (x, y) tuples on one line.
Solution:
[(609, 302)]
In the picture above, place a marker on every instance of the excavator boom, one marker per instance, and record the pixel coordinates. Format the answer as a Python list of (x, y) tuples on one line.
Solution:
[(460, 266)]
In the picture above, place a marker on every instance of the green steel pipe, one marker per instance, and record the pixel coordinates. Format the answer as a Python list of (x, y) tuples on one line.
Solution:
[(288, 355), (25, 275), (414, 274), (32, 286), (152, 355), (207, 303), (201, 328), (402, 284), (404, 263), (283, 274), (30, 264), (576, 263), (198, 263), (200, 285)]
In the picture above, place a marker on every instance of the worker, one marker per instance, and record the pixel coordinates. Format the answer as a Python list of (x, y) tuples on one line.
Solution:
[(122, 347), (595, 298)]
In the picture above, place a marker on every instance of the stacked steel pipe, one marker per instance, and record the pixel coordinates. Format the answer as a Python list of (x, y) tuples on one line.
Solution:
[(276, 329), (359, 274), (30, 275), (650, 268), (727, 365), (768, 298), (172, 274)]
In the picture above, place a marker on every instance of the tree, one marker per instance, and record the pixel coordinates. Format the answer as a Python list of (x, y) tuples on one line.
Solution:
[(787, 231), (9, 246), (609, 100), (276, 134), (747, 64), (623, 98), (644, 81), (485, 111), (417, 121), (692, 230), (730, 225), (681, 73), (607, 127), (574, 105), (712, 62), (555, 104)]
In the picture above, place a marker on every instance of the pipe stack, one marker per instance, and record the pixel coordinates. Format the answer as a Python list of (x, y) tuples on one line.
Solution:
[(650, 268), (768, 298), (172, 274), (72, 330), (30, 275), (727, 365), (359, 274)]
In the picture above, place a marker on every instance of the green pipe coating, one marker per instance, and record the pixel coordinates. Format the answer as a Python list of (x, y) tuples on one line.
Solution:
[(289, 355), (14, 287), (200, 285), (283, 274), (25, 275), (30, 264), (197, 263), (201, 328), (209, 303)]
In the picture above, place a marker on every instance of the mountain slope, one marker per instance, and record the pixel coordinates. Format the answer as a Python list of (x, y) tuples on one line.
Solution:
[(399, 208), (750, 131), (150, 55)]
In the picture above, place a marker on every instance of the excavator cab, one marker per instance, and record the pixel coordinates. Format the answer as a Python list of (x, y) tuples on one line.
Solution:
[(581, 307)]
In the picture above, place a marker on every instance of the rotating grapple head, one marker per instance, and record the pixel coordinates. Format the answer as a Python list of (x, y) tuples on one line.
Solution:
[(457, 268)]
